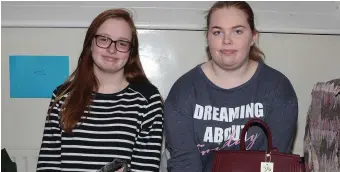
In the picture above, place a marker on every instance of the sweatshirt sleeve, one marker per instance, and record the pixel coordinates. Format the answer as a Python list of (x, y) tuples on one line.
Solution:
[(282, 119), (50, 149), (147, 151), (179, 132)]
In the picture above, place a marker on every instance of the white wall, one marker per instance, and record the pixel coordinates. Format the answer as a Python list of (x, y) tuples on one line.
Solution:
[(166, 54), (292, 17)]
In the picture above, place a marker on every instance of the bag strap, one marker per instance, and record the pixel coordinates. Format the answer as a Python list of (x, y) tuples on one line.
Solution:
[(264, 127)]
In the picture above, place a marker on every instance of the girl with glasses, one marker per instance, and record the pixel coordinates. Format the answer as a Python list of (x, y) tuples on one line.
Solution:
[(107, 110)]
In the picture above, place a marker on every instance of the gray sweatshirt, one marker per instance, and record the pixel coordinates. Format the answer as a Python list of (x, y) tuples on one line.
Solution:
[(201, 117)]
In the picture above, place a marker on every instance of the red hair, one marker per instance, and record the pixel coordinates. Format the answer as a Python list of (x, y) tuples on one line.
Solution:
[(81, 83)]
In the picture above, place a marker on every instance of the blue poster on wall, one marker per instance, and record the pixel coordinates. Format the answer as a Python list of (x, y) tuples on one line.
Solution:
[(36, 76)]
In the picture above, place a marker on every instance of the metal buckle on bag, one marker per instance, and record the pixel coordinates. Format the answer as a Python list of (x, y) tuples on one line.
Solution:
[(267, 156), (267, 165)]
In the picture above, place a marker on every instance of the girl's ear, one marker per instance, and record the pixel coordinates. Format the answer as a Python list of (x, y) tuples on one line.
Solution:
[(255, 38)]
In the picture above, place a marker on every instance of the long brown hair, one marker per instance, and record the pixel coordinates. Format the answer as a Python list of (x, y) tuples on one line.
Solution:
[(82, 82), (255, 53)]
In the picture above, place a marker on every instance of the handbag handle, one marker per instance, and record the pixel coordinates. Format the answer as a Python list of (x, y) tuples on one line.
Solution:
[(265, 128)]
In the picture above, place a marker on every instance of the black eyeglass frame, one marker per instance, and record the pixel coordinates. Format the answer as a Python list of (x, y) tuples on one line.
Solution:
[(112, 41)]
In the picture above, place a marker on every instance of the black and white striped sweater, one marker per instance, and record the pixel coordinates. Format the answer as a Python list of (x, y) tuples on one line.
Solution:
[(127, 125)]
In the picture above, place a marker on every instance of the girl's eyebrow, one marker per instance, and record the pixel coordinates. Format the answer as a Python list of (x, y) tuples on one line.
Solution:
[(107, 35), (234, 27)]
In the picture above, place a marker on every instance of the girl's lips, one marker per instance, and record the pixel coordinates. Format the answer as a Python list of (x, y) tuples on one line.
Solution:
[(108, 58), (228, 52)]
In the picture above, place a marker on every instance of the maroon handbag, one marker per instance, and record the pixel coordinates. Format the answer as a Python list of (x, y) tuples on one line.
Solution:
[(256, 161)]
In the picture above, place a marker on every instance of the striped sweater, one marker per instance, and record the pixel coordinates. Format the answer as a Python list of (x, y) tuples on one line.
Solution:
[(127, 125)]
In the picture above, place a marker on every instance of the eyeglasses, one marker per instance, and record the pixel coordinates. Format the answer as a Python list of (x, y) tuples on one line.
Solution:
[(105, 42)]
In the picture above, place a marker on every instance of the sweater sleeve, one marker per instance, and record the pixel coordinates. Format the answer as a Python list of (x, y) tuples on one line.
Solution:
[(147, 151), (179, 130), (184, 155), (282, 119), (50, 149)]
